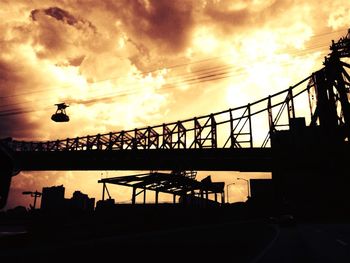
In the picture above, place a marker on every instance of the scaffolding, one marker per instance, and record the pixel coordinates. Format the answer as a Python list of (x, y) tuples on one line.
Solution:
[(178, 183)]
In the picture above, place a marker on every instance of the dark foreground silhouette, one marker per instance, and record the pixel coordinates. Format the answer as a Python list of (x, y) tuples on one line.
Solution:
[(168, 233), (160, 233)]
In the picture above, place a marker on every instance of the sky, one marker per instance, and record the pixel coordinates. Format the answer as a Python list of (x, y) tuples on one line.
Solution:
[(129, 64)]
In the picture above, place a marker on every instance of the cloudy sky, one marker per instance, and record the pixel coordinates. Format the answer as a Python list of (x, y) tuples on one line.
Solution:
[(125, 64)]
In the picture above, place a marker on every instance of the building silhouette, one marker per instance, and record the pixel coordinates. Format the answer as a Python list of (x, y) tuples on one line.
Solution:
[(262, 196), (53, 200), (81, 202)]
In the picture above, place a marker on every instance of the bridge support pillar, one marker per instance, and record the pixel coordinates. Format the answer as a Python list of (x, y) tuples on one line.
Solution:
[(309, 175), (6, 173), (5, 183), (133, 198), (144, 195), (157, 195)]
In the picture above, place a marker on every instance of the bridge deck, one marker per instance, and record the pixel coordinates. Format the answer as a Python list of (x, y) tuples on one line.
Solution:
[(244, 159)]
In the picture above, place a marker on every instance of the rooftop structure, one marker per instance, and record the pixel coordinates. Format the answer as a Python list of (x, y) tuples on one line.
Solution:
[(177, 183)]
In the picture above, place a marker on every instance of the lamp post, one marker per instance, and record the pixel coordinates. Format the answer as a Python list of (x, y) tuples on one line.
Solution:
[(227, 190), (33, 194), (247, 185)]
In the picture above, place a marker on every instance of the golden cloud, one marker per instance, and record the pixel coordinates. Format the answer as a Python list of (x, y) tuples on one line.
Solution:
[(125, 64)]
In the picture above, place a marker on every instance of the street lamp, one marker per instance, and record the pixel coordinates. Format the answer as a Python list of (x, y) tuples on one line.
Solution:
[(227, 190), (247, 185), (32, 194)]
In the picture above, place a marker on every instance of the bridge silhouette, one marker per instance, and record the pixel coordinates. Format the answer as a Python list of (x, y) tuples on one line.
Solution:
[(314, 112)]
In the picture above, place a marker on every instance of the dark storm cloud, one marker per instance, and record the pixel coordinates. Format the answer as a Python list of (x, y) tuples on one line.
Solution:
[(227, 19), (161, 24), (167, 23), (157, 28), (61, 35), (56, 13), (156, 24), (62, 15)]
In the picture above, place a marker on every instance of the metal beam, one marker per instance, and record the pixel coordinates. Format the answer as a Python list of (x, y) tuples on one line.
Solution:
[(231, 159)]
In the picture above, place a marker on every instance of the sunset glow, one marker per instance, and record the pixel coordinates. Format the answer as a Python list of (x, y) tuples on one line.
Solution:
[(131, 64)]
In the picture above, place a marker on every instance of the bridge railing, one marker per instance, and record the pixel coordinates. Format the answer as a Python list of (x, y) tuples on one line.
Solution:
[(246, 126)]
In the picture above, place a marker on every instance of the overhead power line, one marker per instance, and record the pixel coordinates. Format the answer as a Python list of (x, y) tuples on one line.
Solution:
[(179, 65), (191, 78)]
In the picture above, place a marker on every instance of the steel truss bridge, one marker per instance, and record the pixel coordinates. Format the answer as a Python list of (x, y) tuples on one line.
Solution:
[(235, 139)]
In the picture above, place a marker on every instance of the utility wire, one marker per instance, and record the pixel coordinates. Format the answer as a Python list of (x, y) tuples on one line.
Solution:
[(112, 97), (323, 34), (208, 74), (190, 76)]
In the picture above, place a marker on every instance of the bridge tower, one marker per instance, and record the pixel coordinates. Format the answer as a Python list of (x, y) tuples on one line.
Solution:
[(7, 170), (331, 85), (309, 162)]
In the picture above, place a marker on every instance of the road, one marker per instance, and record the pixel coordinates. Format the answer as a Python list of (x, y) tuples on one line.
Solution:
[(237, 241), (309, 243), (250, 241)]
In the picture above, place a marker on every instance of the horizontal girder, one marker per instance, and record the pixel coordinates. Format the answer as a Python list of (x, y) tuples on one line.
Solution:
[(233, 159)]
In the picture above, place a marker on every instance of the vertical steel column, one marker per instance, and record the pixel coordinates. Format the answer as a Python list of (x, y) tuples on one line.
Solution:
[(75, 144), (291, 106), (343, 98), (98, 141), (134, 140), (133, 199), (157, 194), (122, 136), (148, 139), (310, 102), (144, 195), (231, 130), (213, 131), (88, 143), (178, 134), (269, 111), (67, 144), (250, 126), (197, 134), (57, 143), (109, 141)]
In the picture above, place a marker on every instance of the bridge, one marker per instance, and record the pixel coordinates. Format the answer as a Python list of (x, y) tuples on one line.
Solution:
[(311, 115)]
